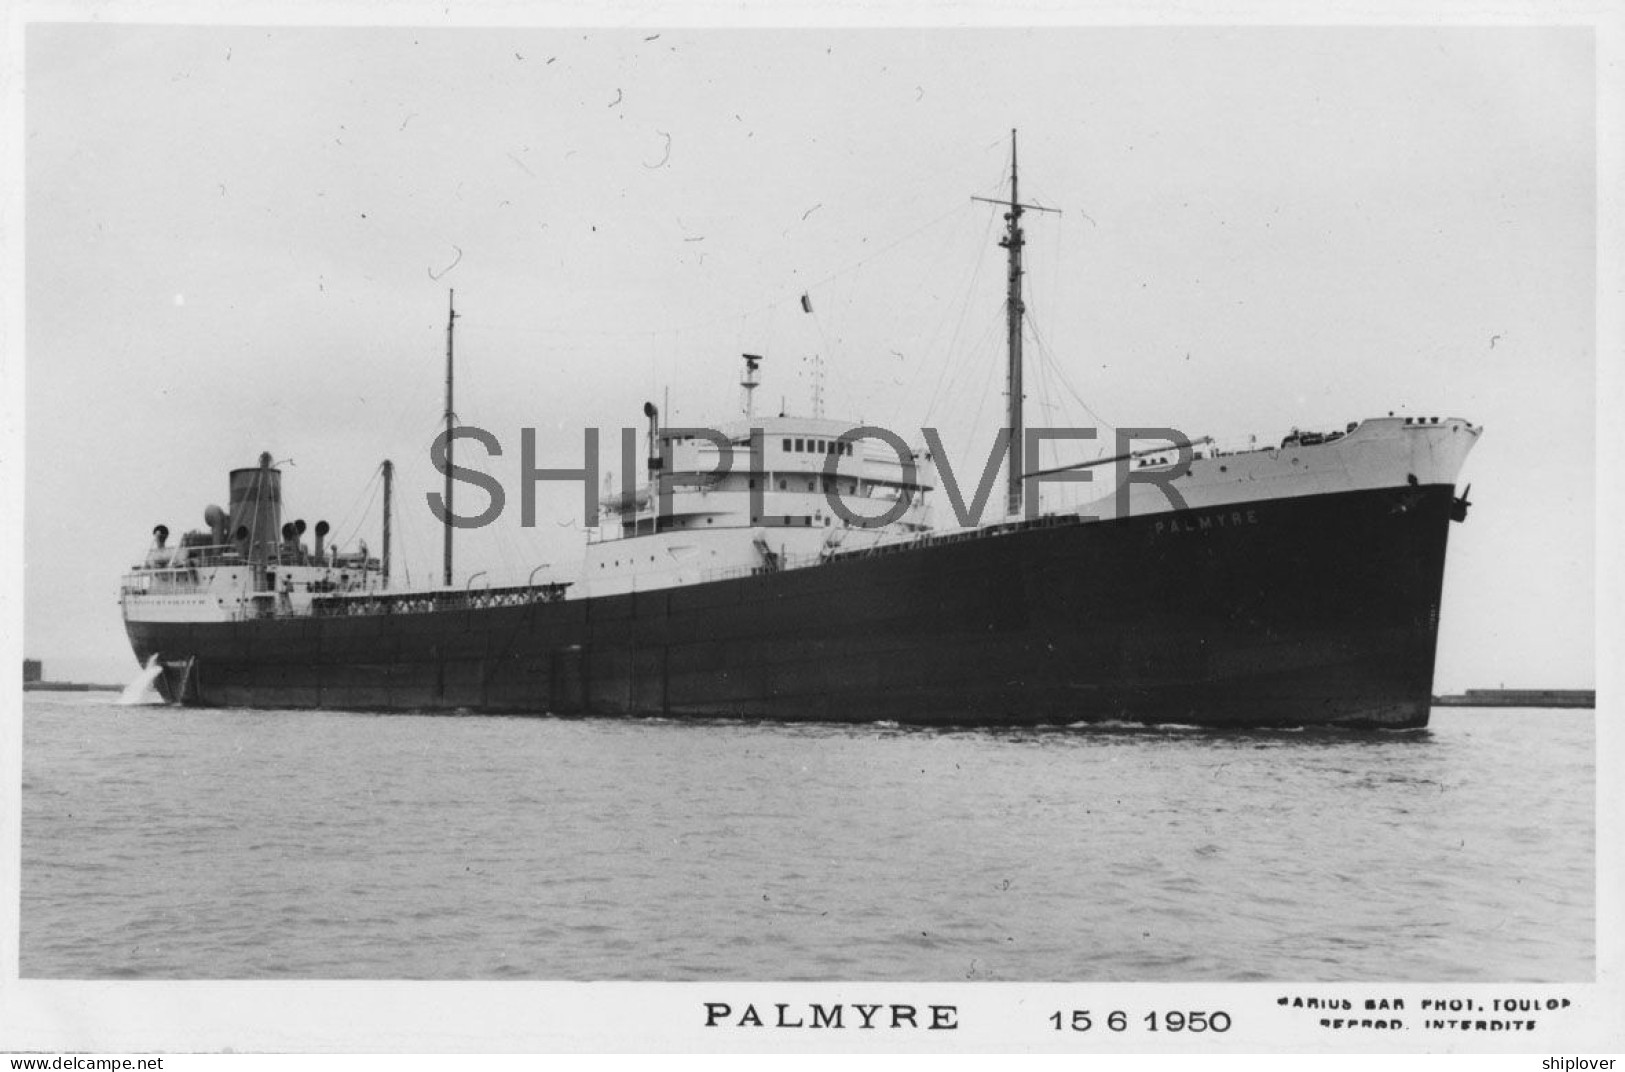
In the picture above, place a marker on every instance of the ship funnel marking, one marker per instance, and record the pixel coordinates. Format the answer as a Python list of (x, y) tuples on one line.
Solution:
[(256, 505)]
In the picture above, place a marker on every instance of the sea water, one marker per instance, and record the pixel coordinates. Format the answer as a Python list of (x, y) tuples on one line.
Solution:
[(177, 843)]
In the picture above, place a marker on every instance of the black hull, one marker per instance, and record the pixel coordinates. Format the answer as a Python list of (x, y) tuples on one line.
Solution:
[(1320, 610)]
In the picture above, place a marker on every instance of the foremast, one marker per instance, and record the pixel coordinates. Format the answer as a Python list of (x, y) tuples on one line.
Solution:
[(1015, 310)]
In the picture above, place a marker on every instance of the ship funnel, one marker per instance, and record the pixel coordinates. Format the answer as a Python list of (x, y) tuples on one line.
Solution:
[(160, 533), (322, 529), (256, 505), (215, 518)]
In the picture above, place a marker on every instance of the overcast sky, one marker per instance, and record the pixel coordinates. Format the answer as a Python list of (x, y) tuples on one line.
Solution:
[(241, 239)]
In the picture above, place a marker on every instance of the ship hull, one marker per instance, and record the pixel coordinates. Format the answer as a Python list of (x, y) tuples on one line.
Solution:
[(1320, 610)]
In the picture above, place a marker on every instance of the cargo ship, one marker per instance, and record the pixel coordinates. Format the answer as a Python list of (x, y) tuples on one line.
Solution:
[(1295, 584)]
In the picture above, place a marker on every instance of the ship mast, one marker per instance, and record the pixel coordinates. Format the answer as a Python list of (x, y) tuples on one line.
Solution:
[(451, 324), (1014, 310), (749, 383), (389, 490)]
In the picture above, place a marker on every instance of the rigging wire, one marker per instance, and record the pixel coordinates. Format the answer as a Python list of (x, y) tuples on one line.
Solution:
[(815, 289), (724, 319), (1047, 408), (978, 264), (959, 326), (985, 344), (1047, 355), (373, 485), (399, 533), (882, 251)]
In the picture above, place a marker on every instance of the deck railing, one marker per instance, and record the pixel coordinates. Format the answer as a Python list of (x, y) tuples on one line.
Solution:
[(427, 602)]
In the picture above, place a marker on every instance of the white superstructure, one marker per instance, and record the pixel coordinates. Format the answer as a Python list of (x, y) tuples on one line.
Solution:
[(734, 509)]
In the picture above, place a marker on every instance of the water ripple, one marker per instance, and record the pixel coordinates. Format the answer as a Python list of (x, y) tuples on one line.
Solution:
[(244, 844)]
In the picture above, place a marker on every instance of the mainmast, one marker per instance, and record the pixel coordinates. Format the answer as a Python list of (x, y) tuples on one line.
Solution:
[(389, 491), (451, 324), (1014, 310)]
